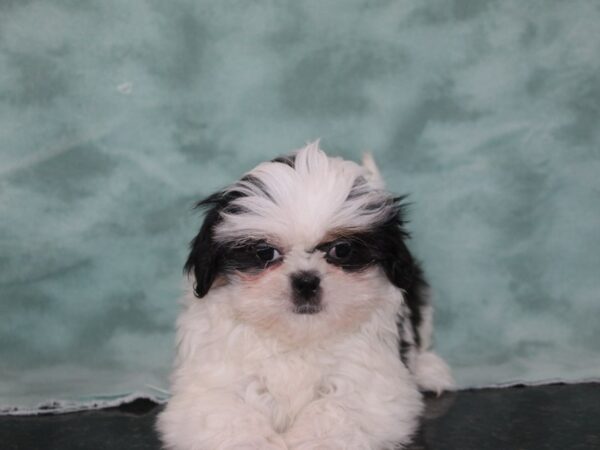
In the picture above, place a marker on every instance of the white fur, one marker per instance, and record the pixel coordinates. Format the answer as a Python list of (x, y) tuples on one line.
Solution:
[(431, 372), (252, 374), (304, 202)]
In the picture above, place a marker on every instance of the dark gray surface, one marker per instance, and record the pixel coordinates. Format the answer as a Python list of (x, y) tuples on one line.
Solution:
[(519, 418)]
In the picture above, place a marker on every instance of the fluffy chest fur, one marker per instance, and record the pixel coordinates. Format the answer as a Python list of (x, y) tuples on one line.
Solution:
[(283, 385), (219, 354)]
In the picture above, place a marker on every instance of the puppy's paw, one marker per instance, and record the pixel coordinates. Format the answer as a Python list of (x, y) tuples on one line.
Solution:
[(273, 443), (339, 442), (432, 373), (328, 444)]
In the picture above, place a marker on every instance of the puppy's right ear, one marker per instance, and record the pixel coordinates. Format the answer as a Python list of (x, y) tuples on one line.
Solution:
[(205, 255)]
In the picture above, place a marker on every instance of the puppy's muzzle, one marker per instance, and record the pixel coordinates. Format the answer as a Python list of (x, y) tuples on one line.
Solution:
[(306, 292)]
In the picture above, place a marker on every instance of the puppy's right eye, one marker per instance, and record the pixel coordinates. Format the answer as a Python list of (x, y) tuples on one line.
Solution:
[(267, 254)]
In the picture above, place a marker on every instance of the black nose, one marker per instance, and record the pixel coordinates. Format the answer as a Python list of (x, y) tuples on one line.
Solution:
[(306, 292), (305, 284)]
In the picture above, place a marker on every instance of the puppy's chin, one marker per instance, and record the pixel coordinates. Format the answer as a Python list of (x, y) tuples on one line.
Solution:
[(346, 302)]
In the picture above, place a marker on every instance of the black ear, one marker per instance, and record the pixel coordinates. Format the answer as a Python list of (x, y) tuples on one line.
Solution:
[(405, 272), (206, 255), (395, 257), (398, 263), (204, 258)]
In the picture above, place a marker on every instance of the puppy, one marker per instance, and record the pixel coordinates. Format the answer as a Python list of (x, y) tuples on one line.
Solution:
[(308, 325)]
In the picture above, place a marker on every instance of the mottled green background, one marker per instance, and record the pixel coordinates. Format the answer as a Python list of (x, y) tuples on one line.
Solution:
[(115, 116)]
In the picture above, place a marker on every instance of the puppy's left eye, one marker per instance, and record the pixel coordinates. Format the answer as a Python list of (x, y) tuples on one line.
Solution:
[(340, 251), (267, 254)]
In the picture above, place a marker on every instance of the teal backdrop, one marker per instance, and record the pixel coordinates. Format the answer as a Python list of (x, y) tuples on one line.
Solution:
[(116, 116)]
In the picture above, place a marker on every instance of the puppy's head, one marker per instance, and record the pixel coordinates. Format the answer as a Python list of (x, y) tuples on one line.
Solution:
[(302, 246)]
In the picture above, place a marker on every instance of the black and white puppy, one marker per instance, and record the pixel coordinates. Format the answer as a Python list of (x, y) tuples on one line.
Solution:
[(308, 325)]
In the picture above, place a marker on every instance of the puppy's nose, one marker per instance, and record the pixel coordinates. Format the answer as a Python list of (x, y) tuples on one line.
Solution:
[(307, 293), (305, 284)]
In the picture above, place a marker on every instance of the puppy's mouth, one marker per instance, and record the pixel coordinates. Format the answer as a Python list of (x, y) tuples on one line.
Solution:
[(307, 308)]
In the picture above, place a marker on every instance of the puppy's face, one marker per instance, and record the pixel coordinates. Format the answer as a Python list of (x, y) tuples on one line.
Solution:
[(302, 247)]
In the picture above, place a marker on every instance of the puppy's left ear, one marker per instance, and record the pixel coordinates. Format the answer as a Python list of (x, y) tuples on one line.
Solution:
[(374, 177), (405, 272), (396, 259), (398, 263), (204, 259)]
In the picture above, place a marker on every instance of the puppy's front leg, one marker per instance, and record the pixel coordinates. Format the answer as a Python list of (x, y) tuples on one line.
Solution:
[(216, 421), (326, 426), (381, 416)]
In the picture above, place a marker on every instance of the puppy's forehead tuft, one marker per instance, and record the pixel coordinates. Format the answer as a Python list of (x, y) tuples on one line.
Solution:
[(298, 199)]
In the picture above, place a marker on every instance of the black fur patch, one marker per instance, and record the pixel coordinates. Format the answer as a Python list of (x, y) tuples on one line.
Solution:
[(244, 258), (404, 347), (208, 258), (206, 255), (399, 265), (361, 255)]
